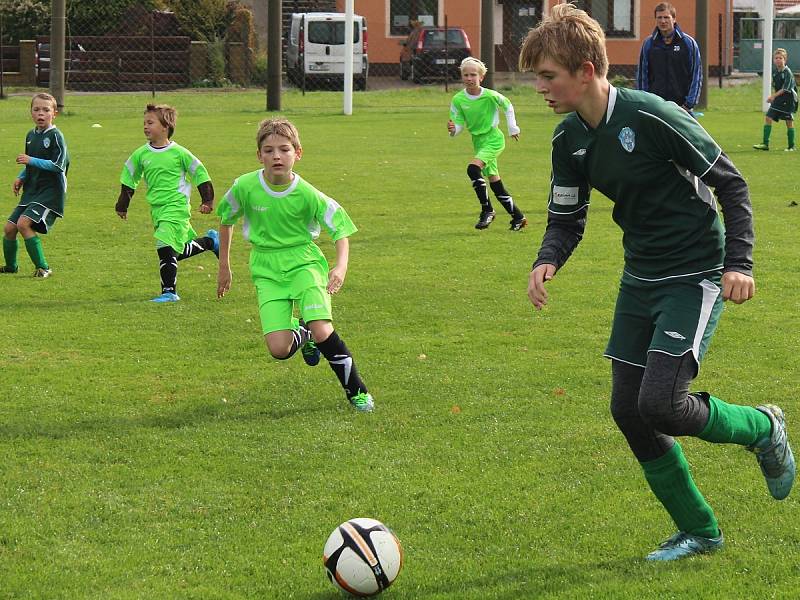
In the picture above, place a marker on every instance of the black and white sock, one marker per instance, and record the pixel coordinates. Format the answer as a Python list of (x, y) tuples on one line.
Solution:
[(196, 246), (505, 199), (168, 268), (299, 337), (479, 185), (341, 361)]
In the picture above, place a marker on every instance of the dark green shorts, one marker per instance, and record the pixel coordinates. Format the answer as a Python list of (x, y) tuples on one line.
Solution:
[(43, 218), (673, 316)]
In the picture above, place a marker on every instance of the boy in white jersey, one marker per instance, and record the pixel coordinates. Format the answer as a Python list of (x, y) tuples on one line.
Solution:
[(476, 108), (680, 263), (282, 216), (168, 169)]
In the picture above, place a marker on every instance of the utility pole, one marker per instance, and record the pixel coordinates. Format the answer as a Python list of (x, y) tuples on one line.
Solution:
[(487, 40), (58, 28), (274, 56), (701, 35)]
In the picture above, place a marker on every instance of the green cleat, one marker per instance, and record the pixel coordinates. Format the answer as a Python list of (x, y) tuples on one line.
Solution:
[(774, 454), (310, 353), (363, 402), (684, 545), (761, 146)]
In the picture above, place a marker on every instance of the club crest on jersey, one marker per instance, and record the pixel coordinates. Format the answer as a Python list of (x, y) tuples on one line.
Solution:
[(627, 138), (46, 142)]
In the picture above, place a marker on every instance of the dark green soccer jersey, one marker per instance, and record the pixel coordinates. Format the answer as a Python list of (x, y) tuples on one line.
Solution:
[(784, 80), (47, 188), (647, 156)]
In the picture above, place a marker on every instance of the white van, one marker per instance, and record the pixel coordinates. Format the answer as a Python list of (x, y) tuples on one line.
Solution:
[(316, 48)]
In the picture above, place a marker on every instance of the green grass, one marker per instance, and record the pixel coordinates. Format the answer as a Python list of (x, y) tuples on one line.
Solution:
[(156, 452)]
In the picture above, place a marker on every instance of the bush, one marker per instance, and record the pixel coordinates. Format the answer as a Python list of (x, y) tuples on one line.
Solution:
[(90, 17), (24, 19), (201, 19), (259, 74)]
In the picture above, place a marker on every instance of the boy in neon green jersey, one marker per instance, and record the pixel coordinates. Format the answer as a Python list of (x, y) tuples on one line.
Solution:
[(43, 181), (168, 168), (282, 216), (657, 164), (477, 109), (783, 103)]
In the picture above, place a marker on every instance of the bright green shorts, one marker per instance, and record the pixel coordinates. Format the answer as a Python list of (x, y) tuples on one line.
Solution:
[(285, 278), (43, 218), (673, 316), (488, 147), (174, 233)]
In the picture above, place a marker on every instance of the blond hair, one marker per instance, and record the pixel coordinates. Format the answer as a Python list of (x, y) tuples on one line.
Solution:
[(471, 60), (278, 126), (166, 115), (782, 52), (47, 97), (567, 36)]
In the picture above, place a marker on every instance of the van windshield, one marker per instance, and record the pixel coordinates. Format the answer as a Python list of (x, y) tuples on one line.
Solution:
[(329, 32), (434, 38)]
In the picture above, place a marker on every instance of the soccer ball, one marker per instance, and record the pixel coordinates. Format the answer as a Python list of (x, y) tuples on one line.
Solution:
[(362, 557)]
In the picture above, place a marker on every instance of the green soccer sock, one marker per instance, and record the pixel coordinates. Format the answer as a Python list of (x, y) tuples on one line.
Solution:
[(790, 136), (767, 132), (734, 424), (672, 483), (10, 253), (34, 247)]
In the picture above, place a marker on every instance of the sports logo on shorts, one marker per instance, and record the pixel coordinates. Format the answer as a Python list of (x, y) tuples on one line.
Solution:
[(675, 335), (46, 142), (627, 138)]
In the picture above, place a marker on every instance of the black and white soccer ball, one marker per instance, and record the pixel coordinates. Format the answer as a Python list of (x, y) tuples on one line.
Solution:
[(362, 557)]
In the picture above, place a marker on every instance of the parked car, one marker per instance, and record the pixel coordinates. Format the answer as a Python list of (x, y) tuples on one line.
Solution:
[(316, 49), (433, 52)]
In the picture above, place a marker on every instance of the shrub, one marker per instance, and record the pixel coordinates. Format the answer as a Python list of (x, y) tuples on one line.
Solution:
[(24, 19)]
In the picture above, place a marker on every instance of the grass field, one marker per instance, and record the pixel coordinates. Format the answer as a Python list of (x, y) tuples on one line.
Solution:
[(154, 451)]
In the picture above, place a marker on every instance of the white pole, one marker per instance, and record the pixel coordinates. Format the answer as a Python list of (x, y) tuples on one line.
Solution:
[(766, 84), (348, 57)]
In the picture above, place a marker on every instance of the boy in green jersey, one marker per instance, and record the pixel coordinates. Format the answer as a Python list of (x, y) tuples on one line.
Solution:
[(43, 181), (168, 169), (783, 103), (282, 215), (657, 165), (476, 108)]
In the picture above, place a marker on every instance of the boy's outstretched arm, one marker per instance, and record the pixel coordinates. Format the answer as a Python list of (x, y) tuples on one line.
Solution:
[(206, 197), (124, 201), (338, 273), (224, 275)]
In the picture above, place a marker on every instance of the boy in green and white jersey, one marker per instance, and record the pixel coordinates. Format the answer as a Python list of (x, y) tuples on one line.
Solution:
[(477, 109), (282, 216), (43, 181), (168, 169), (657, 164), (783, 103)]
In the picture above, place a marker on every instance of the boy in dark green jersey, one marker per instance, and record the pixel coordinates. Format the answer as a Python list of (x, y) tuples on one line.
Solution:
[(656, 163), (43, 181), (283, 215), (476, 109), (783, 103), (168, 170)]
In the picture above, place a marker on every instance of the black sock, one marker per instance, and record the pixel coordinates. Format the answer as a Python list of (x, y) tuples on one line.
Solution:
[(505, 199), (196, 246), (479, 185), (168, 265), (341, 361), (299, 337)]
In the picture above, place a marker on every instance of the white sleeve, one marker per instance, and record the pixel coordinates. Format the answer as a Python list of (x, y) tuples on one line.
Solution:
[(511, 120), (459, 129)]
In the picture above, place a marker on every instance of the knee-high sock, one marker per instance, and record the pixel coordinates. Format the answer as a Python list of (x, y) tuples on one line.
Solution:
[(767, 132), (672, 483), (479, 185), (733, 424), (342, 363), (505, 199), (34, 247), (10, 253), (168, 267), (300, 336), (196, 246), (790, 136)]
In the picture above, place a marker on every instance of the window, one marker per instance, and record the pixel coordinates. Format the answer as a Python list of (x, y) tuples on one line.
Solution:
[(330, 33), (404, 15), (614, 16)]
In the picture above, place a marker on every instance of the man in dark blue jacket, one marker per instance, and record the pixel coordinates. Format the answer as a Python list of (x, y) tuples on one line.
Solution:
[(669, 63)]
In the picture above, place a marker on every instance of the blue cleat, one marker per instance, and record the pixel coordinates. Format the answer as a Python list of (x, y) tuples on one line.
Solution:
[(774, 454), (310, 353), (684, 545), (214, 235), (166, 297), (363, 402)]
